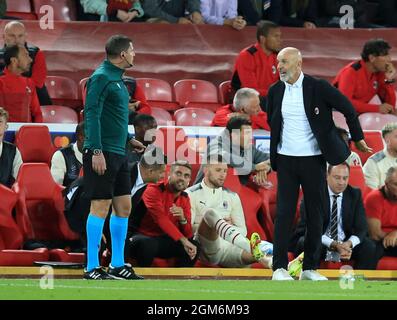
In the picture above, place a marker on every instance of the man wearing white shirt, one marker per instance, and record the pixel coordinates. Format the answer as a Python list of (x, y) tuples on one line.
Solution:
[(345, 230), (10, 157), (303, 138), (66, 162)]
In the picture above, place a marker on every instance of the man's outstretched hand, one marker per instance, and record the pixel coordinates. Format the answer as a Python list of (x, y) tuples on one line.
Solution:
[(362, 146)]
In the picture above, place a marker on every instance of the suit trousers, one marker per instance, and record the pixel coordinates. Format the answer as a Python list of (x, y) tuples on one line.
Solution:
[(293, 172), (363, 255)]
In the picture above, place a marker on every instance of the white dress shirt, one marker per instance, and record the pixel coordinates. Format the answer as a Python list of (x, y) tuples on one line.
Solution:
[(16, 164), (297, 138), (138, 183), (326, 240), (58, 164)]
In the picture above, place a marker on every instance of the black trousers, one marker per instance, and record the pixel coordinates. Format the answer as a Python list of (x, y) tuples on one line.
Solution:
[(381, 251), (293, 172), (144, 249), (363, 255)]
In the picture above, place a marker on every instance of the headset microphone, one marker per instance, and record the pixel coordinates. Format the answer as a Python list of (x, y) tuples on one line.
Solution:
[(129, 64)]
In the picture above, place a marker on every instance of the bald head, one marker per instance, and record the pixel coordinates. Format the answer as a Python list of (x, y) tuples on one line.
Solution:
[(14, 34), (289, 64)]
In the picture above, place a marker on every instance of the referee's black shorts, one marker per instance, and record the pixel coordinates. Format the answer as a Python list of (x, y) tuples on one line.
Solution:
[(115, 182)]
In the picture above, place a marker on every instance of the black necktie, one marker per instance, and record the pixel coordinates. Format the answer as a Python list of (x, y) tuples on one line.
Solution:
[(333, 230)]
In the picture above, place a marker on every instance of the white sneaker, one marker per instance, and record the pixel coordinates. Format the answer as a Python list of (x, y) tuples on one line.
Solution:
[(281, 275), (311, 275)]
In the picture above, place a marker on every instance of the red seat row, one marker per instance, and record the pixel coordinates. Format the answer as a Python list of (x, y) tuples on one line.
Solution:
[(64, 10), (159, 93), (38, 204)]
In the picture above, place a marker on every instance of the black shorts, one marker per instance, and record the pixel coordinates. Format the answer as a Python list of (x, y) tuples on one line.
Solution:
[(115, 182)]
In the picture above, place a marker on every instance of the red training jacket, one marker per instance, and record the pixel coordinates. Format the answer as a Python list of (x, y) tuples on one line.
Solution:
[(254, 69), (222, 117), (18, 96), (158, 219), (357, 84)]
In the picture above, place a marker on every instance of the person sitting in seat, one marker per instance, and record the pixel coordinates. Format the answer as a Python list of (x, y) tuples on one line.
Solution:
[(18, 93), (67, 162), (218, 221), (235, 144), (161, 226), (377, 165), (373, 75), (381, 208), (345, 230), (10, 157), (245, 104)]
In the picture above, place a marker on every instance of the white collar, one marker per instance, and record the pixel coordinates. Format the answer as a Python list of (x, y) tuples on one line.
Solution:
[(331, 193), (298, 83), (139, 180)]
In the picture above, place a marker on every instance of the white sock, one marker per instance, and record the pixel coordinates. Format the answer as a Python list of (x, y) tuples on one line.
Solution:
[(226, 231)]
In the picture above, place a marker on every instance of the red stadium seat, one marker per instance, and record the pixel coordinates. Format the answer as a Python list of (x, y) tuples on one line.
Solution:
[(373, 140), (171, 140), (250, 200), (269, 205), (83, 89), (357, 180), (34, 143), (387, 263), (163, 117), (59, 114), (226, 92), (20, 9), (22, 257), (175, 145), (193, 117), (252, 204), (41, 204), (64, 256), (158, 93), (61, 87), (155, 89), (375, 120), (166, 105), (339, 120), (11, 238), (193, 90), (212, 106), (232, 181), (64, 10)]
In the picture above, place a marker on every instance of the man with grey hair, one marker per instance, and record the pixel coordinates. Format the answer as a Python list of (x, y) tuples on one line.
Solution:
[(246, 104), (303, 138), (377, 165)]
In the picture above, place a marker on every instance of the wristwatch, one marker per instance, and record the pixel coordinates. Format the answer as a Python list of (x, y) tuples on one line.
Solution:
[(97, 152)]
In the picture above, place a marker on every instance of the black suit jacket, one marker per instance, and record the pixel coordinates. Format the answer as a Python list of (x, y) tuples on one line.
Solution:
[(319, 98), (353, 216)]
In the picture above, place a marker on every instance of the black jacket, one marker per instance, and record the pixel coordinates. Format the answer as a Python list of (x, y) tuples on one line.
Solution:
[(353, 215), (319, 98)]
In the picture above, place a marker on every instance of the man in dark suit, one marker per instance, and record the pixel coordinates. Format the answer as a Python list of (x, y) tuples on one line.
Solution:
[(345, 230), (303, 139)]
